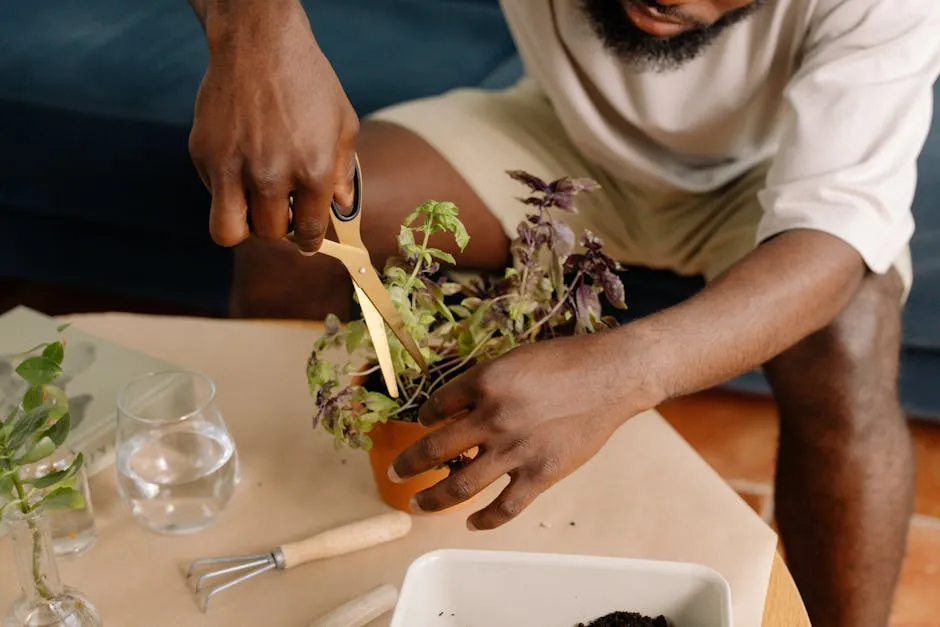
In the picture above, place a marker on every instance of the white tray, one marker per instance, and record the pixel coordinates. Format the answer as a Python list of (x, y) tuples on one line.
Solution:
[(470, 588)]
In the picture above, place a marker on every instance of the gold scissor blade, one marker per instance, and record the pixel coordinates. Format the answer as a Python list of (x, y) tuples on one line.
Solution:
[(376, 327), (369, 283), (366, 278)]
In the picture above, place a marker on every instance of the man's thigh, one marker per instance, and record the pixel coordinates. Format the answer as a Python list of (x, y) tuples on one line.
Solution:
[(471, 137), (400, 172), (482, 135)]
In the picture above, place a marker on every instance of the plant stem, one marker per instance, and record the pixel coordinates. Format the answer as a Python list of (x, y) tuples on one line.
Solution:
[(414, 273), (366, 373), (27, 509), (408, 403), (561, 301), (464, 361)]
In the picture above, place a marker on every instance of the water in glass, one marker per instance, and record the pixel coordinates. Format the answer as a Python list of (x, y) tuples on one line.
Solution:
[(177, 466)]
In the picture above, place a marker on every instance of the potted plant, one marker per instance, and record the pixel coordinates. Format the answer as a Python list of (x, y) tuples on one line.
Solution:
[(552, 287), (33, 431)]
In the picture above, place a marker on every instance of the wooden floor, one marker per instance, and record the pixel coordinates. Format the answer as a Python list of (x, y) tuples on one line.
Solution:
[(736, 434)]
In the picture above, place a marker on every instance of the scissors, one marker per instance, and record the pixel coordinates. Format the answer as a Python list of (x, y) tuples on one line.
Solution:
[(374, 300)]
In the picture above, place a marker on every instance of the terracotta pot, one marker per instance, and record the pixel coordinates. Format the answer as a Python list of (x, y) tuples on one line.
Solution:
[(389, 440)]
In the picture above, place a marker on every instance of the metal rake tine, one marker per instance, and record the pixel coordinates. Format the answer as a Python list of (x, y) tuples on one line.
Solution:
[(222, 560), (231, 569), (213, 591)]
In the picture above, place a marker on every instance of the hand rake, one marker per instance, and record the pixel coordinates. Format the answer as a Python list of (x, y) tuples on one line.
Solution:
[(339, 541)]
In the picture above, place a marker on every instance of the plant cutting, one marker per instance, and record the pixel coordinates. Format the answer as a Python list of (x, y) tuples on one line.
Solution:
[(553, 287), (33, 431)]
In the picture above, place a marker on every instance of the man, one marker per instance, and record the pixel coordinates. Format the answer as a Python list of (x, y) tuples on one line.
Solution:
[(769, 146)]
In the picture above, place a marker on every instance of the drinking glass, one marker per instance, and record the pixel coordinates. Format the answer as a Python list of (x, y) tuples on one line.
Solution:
[(177, 466)]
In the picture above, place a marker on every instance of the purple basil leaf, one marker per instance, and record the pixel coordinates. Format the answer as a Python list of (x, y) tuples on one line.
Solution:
[(576, 262), (587, 306), (569, 185), (562, 238), (564, 201), (532, 181), (332, 325), (531, 200), (613, 289), (577, 185), (525, 233), (591, 241)]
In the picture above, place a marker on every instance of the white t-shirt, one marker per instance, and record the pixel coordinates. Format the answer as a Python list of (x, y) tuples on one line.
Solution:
[(837, 93)]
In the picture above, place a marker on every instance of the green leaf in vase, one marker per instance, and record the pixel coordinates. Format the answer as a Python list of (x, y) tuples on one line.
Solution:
[(40, 450), (63, 498), (59, 430), (54, 352), (27, 424), (53, 479), (33, 397), (38, 370)]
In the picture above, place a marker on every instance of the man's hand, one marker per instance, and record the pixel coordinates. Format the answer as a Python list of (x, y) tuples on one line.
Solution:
[(542, 411), (536, 414), (271, 121)]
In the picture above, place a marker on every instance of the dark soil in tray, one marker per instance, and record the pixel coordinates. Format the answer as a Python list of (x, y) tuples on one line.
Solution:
[(627, 619)]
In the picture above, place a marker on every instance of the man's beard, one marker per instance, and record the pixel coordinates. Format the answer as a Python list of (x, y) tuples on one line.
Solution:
[(643, 51)]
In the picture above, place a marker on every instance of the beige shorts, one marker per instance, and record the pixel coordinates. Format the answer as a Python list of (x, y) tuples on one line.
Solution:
[(483, 134)]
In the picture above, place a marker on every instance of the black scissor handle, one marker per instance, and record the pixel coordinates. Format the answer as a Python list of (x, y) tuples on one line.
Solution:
[(357, 198), (336, 209)]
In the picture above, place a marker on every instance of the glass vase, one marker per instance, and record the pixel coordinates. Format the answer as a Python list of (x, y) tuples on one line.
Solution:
[(45, 601), (73, 530)]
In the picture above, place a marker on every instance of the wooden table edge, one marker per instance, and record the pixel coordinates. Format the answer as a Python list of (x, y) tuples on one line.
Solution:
[(783, 606)]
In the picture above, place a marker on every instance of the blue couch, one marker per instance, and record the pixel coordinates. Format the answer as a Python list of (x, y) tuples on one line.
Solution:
[(96, 186)]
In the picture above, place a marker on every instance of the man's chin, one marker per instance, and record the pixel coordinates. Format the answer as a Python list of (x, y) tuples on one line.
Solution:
[(659, 26), (650, 41)]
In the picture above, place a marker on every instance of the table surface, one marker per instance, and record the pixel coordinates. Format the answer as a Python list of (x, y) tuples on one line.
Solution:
[(784, 606), (158, 563)]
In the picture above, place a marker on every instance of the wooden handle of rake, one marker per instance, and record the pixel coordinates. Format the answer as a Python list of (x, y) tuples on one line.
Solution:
[(361, 610), (349, 538)]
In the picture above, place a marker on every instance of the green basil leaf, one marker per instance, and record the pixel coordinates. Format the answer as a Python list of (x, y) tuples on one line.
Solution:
[(355, 334), (443, 256)]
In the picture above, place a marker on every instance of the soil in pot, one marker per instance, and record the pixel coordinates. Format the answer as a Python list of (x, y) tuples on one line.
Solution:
[(627, 619)]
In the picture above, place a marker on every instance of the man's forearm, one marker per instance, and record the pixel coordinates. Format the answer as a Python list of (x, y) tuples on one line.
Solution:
[(200, 7), (790, 287), (228, 10)]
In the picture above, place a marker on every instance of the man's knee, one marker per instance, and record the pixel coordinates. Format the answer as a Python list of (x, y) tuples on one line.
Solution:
[(846, 373)]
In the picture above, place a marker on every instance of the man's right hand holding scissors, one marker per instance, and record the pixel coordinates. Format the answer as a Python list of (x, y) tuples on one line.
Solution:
[(271, 121)]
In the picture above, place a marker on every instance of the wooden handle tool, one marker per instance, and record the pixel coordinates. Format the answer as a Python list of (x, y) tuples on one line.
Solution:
[(343, 540), (362, 610), (347, 539)]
